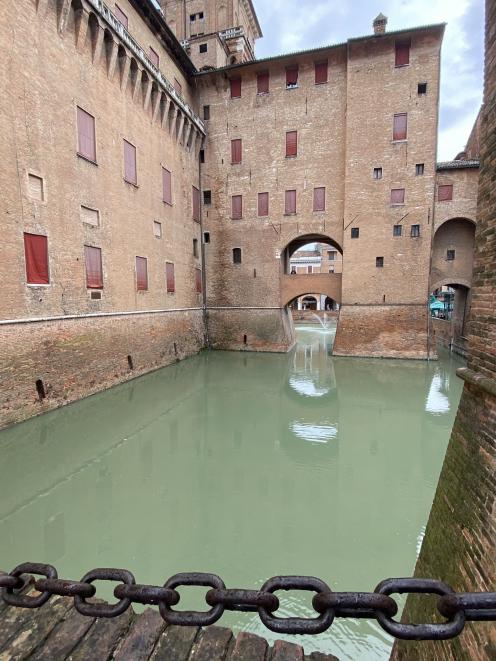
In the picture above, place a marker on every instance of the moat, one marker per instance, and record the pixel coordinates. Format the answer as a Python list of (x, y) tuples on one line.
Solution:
[(248, 465)]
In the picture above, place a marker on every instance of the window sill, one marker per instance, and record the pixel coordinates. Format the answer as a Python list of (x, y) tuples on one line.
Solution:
[(171, 293), (263, 93), (292, 87), (169, 204), (236, 162), (290, 213), (318, 210), (36, 285), (398, 204), (291, 156), (237, 218), (131, 183), (396, 142), (142, 291), (86, 158), (325, 82), (233, 98), (401, 66)]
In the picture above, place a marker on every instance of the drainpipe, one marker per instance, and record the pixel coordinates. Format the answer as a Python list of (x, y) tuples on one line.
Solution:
[(202, 253)]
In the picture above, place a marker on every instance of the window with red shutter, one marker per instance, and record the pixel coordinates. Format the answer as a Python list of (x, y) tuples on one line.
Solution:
[(170, 277), (198, 281), (400, 126), (196, 204), (236, 151), (86, 134), (130, 163), (290, 201), (263, 83), (178, 87), (319, 199), (235, 88), (141, 274), (402, 53), (121, 16), (154, 57), (291, 143), (36, 256), (166, 186), (397, 196), (445, 193), (237, 207), (291, 77), (94, 271), (320, 72), (263, 204)]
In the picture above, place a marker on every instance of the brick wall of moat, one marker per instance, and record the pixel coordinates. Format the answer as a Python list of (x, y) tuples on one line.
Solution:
[(461, 533)]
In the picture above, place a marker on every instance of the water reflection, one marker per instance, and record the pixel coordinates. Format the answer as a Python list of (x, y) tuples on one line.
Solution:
[(238, 464)]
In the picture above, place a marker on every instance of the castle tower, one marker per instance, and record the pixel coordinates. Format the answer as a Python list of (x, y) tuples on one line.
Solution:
[(215, 33)]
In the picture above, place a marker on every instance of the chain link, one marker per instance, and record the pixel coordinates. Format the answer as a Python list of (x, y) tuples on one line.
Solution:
[(457, 608)]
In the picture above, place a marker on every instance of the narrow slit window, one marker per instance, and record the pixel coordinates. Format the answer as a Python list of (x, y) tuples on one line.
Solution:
[(379, 262), (195, 247), (170, 278), (195, 194), (206, 112), (206, 237), (422, 89), (93, 264), (198, 281), (36, 256), (450, 255), (236, 255), (202, 156), (207, 197), (166, 186), (157, 229)]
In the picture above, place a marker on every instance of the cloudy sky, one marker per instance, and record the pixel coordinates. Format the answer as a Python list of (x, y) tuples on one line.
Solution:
[(290, 25)]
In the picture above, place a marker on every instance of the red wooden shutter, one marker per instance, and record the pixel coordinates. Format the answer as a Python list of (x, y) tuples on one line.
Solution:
[(141, 274), (130, 163), (291, 143), (121, 16), (235, 88), (196, 204), (445, 193), (319, 199), (263, 204), (397, 196), (154, 57), (170, 277), (263, 83), (320, 72), (36, 255), (290, 201), (402, 53), (400, 126), (237, 207), (166, 186), (236, 151), (93, 263), (178, 87), (291, 76), (198, 281), (86, 134)]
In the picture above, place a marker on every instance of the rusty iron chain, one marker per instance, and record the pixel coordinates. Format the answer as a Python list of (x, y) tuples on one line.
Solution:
[(456, 608)]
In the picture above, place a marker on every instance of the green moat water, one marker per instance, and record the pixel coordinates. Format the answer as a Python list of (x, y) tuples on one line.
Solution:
[(247, 465)]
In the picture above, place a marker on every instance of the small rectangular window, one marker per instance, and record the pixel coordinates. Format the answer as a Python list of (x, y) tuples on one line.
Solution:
[(291, 143), (36, 256), (157, 229), (130, 174), (121, 16), (397, 230), (377, 173), (235, 84), (93, 264), (178, 87), (263, 204), (36, 188), (207, 197), (166, 186), (402, 53), (236, 151), (400, 124), (263, 81), (309, 268), (290, 202), (198, 281), (154, 57), (397, 196), (319, 199), (237, 207), (445, 193), (206, 237), (236, 255), (141, 274), (450, 255), (419, 169), (379, 262), (90, 216), (422, 89), (170, 279), (195, 194), (321, 72), (355, 232), (292, 77), (415, 231), (331, 255), (202, 156), (86, 135), (206, 112), (203, 48), (195, 247)]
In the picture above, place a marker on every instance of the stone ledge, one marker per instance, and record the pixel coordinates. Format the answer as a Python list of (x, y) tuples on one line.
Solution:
[(478, 380)]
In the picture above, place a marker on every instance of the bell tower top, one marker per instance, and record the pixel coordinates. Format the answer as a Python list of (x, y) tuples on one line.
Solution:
[(215, 33)]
